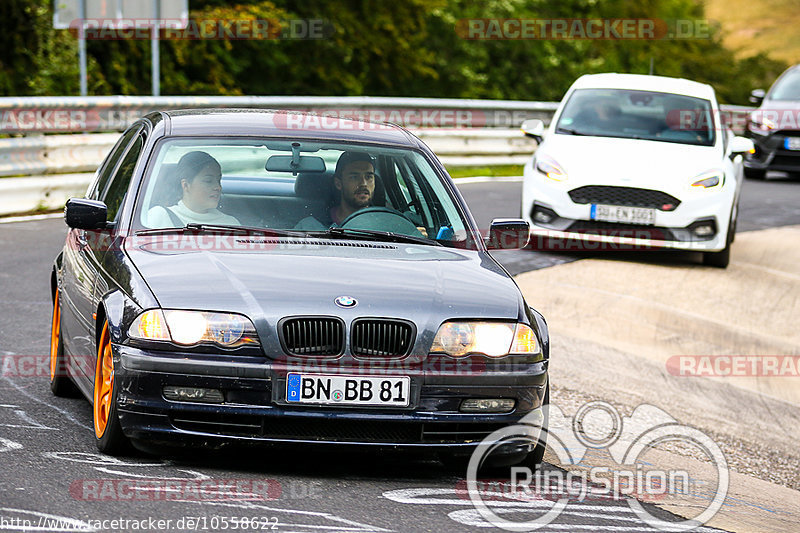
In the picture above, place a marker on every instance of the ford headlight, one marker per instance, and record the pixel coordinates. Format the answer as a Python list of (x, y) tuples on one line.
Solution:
[(188, 328), (707, 180), (550, 168), (493, 339)]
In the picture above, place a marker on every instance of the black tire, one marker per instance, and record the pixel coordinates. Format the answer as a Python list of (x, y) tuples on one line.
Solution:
[(755, 173), (722, 258), (60, 383), (112, 440), (535, 458)]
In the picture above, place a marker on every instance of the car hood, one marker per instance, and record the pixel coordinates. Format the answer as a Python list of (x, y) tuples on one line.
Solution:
[(630, 162), (269, 279)]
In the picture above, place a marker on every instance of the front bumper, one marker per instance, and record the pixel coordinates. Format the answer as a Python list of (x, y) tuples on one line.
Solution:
[(771, 153), (572, 227), (255, 409)]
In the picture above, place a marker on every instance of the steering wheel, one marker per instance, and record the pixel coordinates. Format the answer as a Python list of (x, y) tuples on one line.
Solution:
[(381, 219)]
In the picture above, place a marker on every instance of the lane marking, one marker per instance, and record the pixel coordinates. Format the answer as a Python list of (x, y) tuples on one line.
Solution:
[(66, 414), (353, 525), (9, 445), (412, 496), (198, 476), (94, 459), (49, 521), (31, 218)]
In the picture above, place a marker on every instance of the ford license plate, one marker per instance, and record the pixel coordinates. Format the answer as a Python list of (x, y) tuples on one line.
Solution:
[(618, 213), (385, 391), (791, 143)]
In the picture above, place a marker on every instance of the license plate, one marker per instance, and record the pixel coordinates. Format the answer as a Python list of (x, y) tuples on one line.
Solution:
[(348, 390), (792, 143), (618, 213)]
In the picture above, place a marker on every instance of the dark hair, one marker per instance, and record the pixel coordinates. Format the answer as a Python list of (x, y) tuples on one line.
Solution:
[(190, 165), (351, 157)]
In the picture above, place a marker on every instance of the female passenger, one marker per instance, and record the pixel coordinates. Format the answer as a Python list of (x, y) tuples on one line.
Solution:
[(197, 177)]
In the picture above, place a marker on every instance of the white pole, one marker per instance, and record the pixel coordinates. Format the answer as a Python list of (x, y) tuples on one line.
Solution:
[(82, 47), (154, 49)]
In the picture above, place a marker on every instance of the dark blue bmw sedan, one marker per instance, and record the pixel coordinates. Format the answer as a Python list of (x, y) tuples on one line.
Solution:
[(275, 277)]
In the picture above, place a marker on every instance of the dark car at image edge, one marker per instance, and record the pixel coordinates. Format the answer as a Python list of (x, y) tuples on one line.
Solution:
[(775, 127)]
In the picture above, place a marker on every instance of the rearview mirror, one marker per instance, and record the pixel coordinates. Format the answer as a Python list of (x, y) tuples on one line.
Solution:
[(82, 213), (741, 145), (757, 96), (533, 127), (508, 234), (294, 164)]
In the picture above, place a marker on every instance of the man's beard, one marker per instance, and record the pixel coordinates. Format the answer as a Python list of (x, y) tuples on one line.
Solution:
[(355, 203)]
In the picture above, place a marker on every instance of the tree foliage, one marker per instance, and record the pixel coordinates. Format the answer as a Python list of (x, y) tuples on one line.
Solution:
[(377, 47)]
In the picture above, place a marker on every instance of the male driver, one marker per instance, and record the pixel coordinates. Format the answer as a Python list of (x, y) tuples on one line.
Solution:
[(354, 181)]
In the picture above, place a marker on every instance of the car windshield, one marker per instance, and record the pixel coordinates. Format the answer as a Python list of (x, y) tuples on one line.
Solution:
[(787, 87), (632, 114), (301, 186)]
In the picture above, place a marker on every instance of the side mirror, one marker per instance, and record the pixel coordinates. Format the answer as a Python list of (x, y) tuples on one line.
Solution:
[(533, 127), (741, 145), (757, 96), (508, 234), (80, 213)]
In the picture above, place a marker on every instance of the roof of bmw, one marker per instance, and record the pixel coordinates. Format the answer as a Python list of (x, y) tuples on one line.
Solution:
[(277, 123)]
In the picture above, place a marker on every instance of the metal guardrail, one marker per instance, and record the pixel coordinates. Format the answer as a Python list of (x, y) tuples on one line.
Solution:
[(42, 171), (54, 154), (115, 113), (48, 158)]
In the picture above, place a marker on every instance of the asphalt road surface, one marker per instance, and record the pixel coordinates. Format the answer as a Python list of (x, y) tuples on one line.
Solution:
[(52, 478)]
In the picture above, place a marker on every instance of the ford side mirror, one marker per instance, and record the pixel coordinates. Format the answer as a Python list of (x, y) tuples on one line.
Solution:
[(741, 145), (533, 127), (508, 234), (81, 213)]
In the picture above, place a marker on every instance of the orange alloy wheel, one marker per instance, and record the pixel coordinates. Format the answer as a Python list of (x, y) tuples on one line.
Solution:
[(103, 383), (55, 331)]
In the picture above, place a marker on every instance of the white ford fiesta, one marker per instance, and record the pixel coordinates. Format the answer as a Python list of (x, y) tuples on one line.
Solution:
[(632, 161)]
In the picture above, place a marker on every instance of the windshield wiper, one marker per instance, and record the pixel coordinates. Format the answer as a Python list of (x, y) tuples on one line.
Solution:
[(569, 131), (221, 228), (373, 235)]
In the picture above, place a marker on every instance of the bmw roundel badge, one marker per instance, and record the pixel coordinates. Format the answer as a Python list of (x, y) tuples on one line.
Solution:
[(346, 301)]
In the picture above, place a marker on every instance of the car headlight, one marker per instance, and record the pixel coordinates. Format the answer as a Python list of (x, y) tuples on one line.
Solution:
[(188, 328), (493, 339), (707, 180), (550, 168)]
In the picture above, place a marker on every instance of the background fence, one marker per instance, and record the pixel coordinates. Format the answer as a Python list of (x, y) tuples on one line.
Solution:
[(39, 170)]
